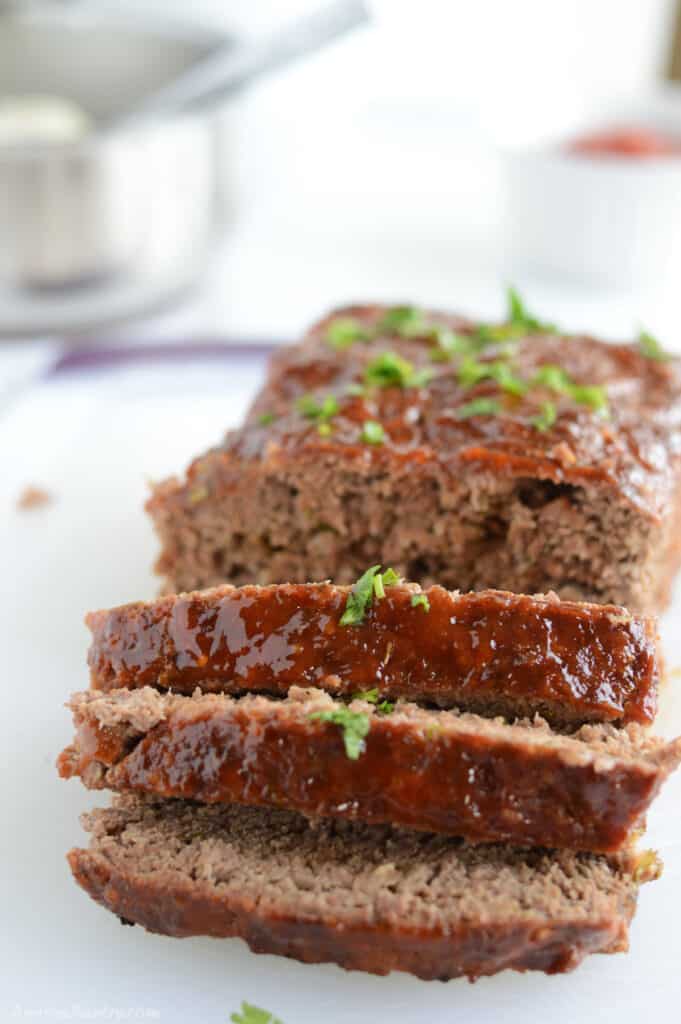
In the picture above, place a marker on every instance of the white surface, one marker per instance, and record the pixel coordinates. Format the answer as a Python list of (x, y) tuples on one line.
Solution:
[(93, 443)]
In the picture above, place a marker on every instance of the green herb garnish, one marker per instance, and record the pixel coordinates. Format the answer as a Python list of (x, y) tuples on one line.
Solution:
[(344, 331), (390, 370), (593, 396), (325, 430), (253, 1015), (556, 379), (471, 372), (372, 433), (449, 344), (420, 600), (384, 707), (479, 407), (651, 348), (355, 726), (314, 410), (408, 321), (370, 696), (519, 317), (266, 418), (545, 418), (361, 595)]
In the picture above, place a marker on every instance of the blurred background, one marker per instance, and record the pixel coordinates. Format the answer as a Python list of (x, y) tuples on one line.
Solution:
[(413, 151)]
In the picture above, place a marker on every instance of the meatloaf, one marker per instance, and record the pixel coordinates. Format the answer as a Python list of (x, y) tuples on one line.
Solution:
[(474, 455), (492, 652), (374, 899), (440, 771)]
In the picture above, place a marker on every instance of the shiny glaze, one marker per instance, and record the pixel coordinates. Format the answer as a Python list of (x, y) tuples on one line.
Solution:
[(463, 782), (633, 452), (510, 653)]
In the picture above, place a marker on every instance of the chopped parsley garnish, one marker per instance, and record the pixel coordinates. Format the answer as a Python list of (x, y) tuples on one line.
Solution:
[(519, 317), (449, 344), (361, 595), (371, 696), (420, 601), (409, 321), (479, 407), (253, 1015), (266, 418), (651, 348), (325, 430), (372, 433), (556, 379), (383, 707), (545, 418), (355, 726), (344, 331), (390, 370), (382, 580), (314, 410), (471, 372)]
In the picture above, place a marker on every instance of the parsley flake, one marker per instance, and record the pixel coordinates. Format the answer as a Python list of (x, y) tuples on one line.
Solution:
[(383, 707), (311, 409), (344, 331), (391, 370), (361, 595), (266, 418), (519, 317), (408, 321), (371, 696), (651, 348), (355, 726), (545, 418), (479, 407), (471, 372), (420, 600), (250, 1014), (449, 344), (372, 433)]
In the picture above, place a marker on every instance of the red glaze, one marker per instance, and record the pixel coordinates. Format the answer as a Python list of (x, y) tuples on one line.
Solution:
[(435, 772), (633, 452), (490, 650), (637, 143)]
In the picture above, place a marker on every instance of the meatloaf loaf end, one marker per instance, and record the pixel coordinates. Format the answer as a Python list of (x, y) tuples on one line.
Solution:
[(439, 771), (372, 899), (492, 652), (473, 455)]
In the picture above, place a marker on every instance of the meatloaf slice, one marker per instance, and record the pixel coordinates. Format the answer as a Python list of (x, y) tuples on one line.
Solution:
[(491, 652), (374, 899), (440, 771), (473, 456)]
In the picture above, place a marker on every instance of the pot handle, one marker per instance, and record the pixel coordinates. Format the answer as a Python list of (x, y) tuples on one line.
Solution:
[(233, 67)]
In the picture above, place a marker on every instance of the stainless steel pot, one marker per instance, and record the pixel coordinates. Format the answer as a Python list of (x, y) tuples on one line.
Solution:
[(130, 214)]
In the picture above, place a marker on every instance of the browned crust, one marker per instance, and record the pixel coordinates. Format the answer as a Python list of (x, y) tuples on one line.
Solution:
[(169, 907), (585, 508), (455, 774), (489, 651)]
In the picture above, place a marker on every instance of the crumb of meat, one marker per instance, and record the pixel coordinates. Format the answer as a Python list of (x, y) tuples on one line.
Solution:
[(33, 497)]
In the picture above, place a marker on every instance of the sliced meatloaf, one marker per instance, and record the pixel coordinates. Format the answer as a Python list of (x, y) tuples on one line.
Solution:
[(473, 455), (371, 899), (492, 652), (442, 771)]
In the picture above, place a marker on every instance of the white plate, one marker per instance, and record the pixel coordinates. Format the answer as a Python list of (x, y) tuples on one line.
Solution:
[(93, 442)]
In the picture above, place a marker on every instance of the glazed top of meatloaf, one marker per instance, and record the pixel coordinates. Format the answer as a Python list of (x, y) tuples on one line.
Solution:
[(598, 413)]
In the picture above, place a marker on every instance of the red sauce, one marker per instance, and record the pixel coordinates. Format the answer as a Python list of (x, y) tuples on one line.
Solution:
[(636, 143)]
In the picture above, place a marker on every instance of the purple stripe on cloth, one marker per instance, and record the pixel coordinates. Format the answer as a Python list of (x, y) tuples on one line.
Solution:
[(166, 352)]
